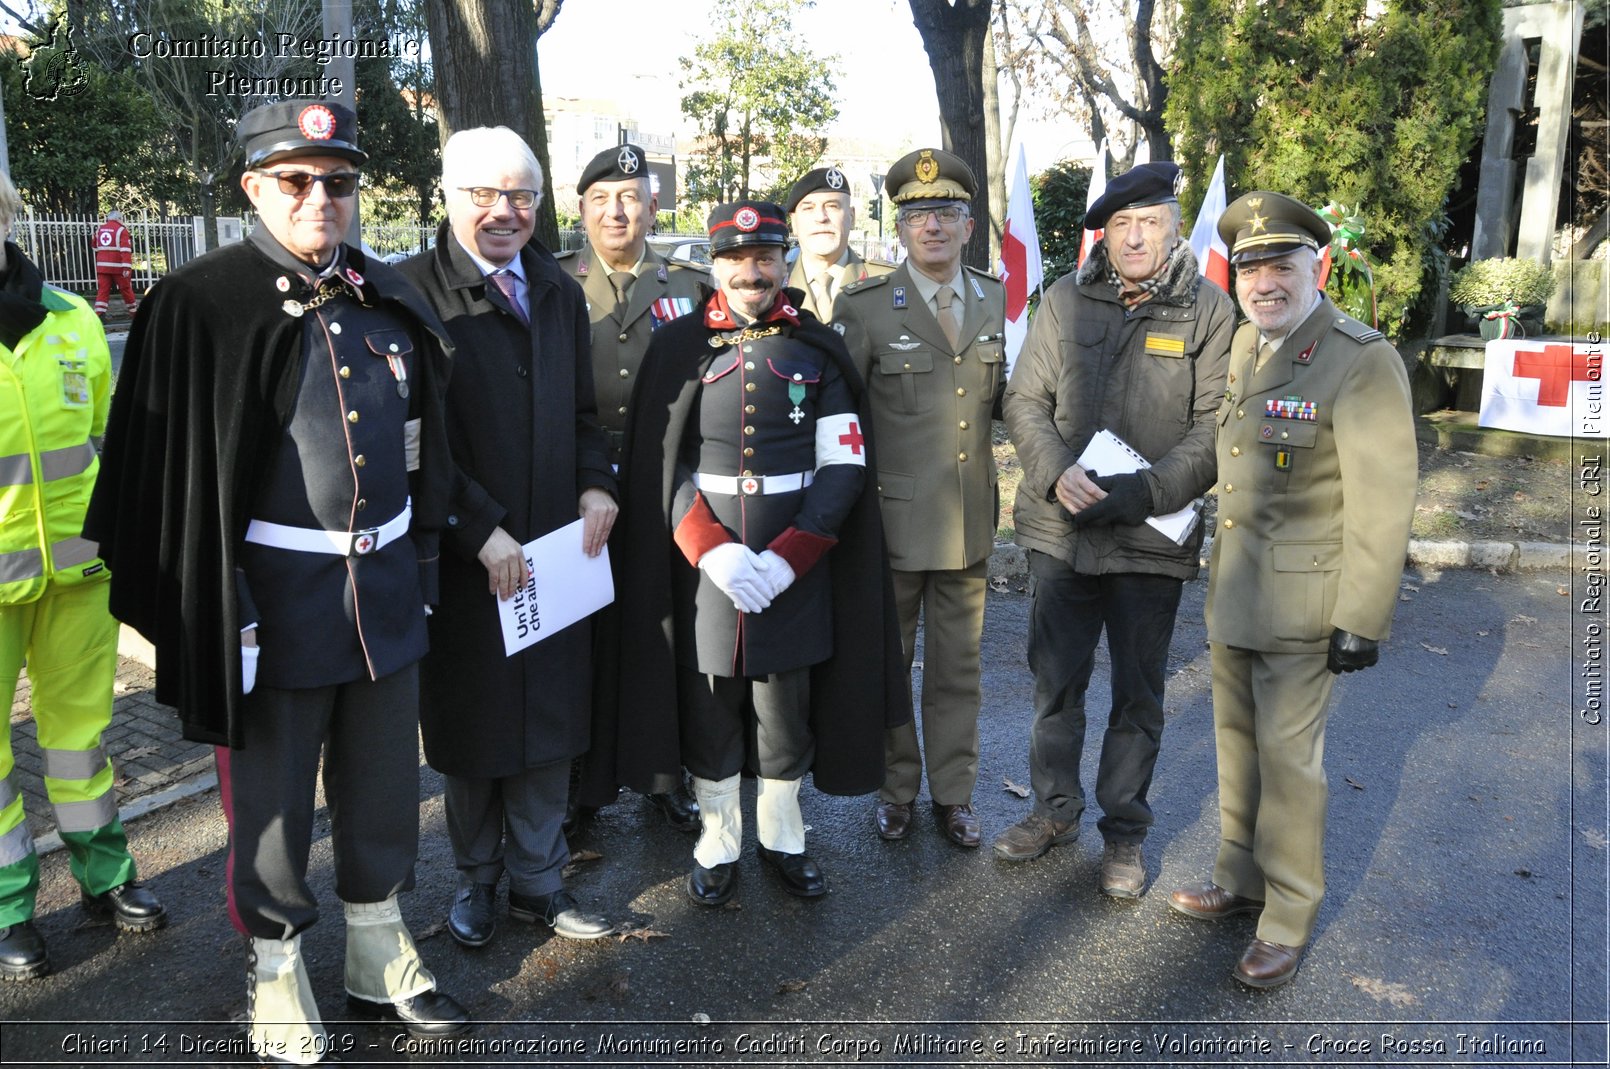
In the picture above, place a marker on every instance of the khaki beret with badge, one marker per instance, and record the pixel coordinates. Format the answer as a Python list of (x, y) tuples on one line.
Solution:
[(930, 174), (829, 178), (618, 164), (292, 128), (1261, 225)]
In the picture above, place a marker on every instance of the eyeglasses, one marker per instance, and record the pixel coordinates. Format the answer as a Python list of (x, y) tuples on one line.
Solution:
[(486, 196), (948, 213), (337, 184)]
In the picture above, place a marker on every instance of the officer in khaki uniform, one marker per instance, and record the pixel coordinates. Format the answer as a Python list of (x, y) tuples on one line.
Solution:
[(821, 213), (1317, 475), (927, 339), (631, 289), (631, 292)]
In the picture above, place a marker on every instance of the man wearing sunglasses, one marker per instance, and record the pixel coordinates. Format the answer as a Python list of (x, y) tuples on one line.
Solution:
[(524, 429), (275, 477), (927, 339)]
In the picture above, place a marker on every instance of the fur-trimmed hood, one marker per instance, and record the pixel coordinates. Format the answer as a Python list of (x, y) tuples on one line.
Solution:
[(1180, 273)]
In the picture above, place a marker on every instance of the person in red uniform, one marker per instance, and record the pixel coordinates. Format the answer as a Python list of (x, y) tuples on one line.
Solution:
[(114, 263)]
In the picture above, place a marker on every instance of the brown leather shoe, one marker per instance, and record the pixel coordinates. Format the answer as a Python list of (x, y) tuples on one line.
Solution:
[(1210, 902), (893, 819), (1266, 964), (959, 823)]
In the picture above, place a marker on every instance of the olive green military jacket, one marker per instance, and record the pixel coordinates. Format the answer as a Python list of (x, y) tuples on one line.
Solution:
[(1317, 474), (932, 407), (852, 270), (662, 292)]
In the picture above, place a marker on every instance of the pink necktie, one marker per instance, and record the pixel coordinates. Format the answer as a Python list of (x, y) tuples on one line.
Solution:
[(504, 280)]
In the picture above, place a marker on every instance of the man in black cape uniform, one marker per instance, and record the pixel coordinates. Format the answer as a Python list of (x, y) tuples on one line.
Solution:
[(757, 611)]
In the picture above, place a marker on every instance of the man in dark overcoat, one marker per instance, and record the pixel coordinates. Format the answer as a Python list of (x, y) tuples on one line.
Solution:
[(756, 601), (274, 480), (532, 457)]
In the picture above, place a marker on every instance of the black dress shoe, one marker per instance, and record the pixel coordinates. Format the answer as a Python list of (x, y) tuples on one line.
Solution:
[(681, 811), (472, 921), (561, 912), (429, 1013), (132, 907), (801, 876), (22, 952), (712, 886)]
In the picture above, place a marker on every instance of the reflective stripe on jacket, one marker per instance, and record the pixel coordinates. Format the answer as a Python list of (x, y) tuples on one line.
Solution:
[(55, 390)]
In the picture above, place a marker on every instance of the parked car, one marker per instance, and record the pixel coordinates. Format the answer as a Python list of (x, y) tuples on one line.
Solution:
[(682, 249)]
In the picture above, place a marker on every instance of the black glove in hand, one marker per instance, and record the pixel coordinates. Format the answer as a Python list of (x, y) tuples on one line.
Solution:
[(1128, 502), (1350, 652)]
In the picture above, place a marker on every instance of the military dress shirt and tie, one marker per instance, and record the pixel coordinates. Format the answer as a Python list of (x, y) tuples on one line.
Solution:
[(823, 289)]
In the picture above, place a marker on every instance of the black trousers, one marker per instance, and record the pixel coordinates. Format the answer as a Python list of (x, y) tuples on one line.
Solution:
[(1069, 613), (729, 723), (368, 733)]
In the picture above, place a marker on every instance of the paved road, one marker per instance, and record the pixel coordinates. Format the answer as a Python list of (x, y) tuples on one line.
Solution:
[(1467, 899)]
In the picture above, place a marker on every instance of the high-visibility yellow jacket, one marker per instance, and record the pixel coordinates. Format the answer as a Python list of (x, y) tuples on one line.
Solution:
[(55, 391)]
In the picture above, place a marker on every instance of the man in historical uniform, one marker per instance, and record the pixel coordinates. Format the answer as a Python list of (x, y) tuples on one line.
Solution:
[(822, 214), (631, 292), (1135, 343), (1316, 461), (276, 475), (927, 338), (504, 729), (55, 389), (754, 594)]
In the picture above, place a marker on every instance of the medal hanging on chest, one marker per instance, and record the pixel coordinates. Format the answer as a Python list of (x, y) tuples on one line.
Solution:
[(399, 371), (796, 394)]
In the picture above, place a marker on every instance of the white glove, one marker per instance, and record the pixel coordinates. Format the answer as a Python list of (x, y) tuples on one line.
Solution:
[(248, 668), (777, 572), (731, 567)]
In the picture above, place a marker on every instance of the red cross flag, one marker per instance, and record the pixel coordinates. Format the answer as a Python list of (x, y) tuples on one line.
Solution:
[(1098, 186), (1545, 387), (1021, 267), (1212, 255)]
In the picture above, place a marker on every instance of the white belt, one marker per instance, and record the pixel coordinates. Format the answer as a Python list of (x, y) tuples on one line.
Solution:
[(753, 484), (340, 543)]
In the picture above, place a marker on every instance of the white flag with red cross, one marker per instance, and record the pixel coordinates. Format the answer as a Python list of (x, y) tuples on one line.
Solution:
[(1212, 255), (1098, 186), (1022, 270), (1544, 387)]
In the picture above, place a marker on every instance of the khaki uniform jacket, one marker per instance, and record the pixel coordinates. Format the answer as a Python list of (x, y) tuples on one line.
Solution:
[(1315, 502), (619, 344), (932, 405), (852, 270)]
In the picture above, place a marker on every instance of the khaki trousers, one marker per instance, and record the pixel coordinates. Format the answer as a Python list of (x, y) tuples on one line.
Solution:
[(1269, 723), (951, 604)]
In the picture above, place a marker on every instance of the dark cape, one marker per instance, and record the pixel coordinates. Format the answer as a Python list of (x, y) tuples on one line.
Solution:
[(525, 436), (856, 694), (208, 383)]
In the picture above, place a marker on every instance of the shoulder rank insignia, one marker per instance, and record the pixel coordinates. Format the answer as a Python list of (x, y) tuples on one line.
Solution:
[(899, 297)]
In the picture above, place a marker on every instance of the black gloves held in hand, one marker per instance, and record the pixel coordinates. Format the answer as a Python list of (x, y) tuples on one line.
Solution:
[(1128, 502), (1350, 652)]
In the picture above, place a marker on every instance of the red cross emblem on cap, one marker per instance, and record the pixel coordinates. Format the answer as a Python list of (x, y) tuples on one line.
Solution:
[(363, 544), (751, 486), (316, 122), (747, 219)]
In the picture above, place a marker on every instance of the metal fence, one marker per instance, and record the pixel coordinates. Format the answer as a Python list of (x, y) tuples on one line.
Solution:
[(64, 246)]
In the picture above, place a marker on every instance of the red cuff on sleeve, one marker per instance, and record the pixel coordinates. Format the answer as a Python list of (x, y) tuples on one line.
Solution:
[(699, 532), (801, 549)]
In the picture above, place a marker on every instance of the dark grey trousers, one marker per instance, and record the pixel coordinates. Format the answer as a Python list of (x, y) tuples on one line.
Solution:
[(727, 722), (513, 824)]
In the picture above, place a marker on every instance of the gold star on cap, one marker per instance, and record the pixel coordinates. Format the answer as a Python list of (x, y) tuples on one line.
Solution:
[(1256, 222)]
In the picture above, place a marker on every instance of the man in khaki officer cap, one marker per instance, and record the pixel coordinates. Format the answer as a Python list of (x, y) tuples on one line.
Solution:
[(821, 212), (1135, 343), (927, 339), (631, 292), (1317, 478)]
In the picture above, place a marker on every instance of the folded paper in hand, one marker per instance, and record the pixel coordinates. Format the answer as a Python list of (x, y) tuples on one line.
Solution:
[(566, 585), (1108, 454)]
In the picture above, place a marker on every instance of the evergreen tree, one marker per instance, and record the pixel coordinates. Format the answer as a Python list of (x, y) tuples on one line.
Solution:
[(1326, 101)]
